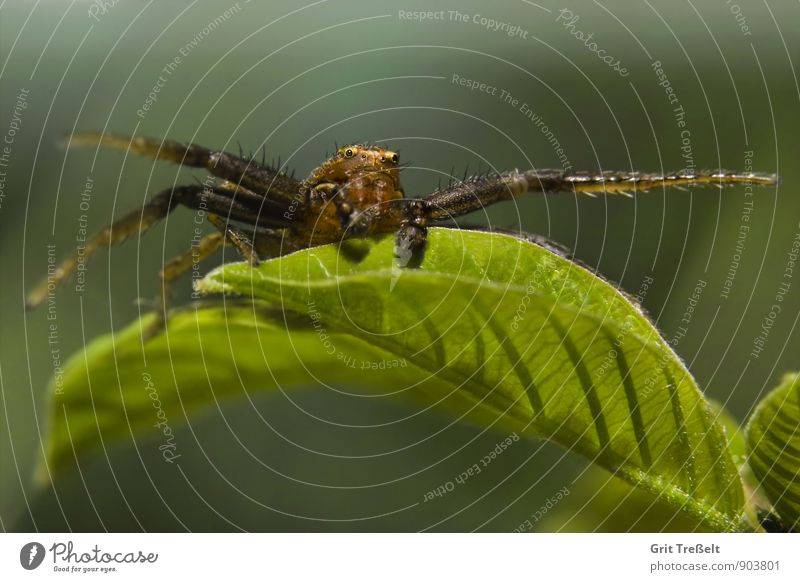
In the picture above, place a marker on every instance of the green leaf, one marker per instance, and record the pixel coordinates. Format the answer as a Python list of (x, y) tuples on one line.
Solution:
[(118, 388), (602, 503), (529, 340), (773, 438), (491, 329), (734, 433)]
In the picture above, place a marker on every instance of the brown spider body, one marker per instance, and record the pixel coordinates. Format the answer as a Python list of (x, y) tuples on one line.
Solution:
[(356, 193), (347, 184)]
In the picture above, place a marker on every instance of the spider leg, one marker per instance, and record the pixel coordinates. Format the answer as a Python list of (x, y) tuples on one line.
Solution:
[(271, 242), (252, 208), (412, 217), (280, 187), (476, 193), (254, 244), (627, 183), (137, 221), (156, 209), (242, 240), (177, 266), (258, 244), (173, 269), (247, 242)]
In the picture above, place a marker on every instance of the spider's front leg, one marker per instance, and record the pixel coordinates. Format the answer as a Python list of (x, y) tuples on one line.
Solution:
[(412, 234), (412, 217), (407, 218), (477, 193)]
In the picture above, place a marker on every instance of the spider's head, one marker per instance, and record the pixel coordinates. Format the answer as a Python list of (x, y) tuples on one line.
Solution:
[(354, 160), (358, 164)]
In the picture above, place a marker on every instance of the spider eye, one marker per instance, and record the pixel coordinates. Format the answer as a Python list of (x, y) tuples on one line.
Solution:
[(348, 153), (395, 158), (363, 156)]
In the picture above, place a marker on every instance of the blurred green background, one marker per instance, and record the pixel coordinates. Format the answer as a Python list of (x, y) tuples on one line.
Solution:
[(296, 79)]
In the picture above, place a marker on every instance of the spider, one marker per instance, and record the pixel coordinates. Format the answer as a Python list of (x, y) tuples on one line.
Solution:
[(356, 193)]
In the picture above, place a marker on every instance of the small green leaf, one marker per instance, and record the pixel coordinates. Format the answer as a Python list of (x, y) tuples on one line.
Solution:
[(493, 329), (773, 438)]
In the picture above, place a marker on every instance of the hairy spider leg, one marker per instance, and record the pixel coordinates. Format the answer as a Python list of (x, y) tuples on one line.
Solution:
[(281, 189), (198, 197), (250, 243), (477, 193), (176, 267), (137, 221), (256, 243), (241, 239)]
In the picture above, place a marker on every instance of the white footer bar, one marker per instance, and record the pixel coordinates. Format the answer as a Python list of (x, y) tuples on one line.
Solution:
[(401, 557)]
